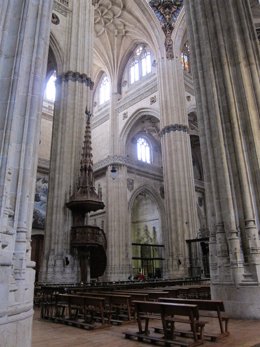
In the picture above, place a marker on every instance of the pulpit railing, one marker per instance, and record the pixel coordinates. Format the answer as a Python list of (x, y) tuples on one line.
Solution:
[(86, 235)]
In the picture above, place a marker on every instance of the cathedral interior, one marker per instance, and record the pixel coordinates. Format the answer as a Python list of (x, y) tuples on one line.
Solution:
[(130, 146)]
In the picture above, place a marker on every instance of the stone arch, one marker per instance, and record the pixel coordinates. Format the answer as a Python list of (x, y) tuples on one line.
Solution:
[(125, 59), (55, 58), (158, 36), (137, 115), (145, 230), (57, 53), (146, 188), (98, 78), (150, 32), (179, 33)]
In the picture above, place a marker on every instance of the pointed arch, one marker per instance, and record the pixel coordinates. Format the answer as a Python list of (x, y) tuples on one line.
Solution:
[(125, 59), (179, 32), (57, 53), (138, 114), (146, 231), (55, 59), (146, 188)]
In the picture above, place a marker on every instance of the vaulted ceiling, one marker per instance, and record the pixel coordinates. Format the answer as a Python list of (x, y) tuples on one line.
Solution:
[(119, 26)]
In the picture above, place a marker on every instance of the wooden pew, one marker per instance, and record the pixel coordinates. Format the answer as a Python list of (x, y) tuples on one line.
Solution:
[(118, 306), (133, 296), (207, 308), (153, 294), (189, 292), (77, 305), (169, 314)]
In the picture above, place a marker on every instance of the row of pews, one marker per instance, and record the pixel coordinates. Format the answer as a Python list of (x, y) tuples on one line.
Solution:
[(174, 314), (79, 306), (172, 308)]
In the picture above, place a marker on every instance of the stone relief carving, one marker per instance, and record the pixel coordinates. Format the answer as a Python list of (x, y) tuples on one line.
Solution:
[(55, 19), (153, 99), (108, 17), (125, 115), (130, 184), (167, 12)]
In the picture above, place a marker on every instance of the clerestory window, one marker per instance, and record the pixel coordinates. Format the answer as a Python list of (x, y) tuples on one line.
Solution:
[(143, 150), (141, 64), (104, 91)]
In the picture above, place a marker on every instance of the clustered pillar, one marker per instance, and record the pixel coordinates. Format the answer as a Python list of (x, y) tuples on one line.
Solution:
[(225, 67), (181, 213), (24, 33), (73, 97)]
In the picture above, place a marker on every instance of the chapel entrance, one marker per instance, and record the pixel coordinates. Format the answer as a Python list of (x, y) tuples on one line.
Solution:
[(147, 245)]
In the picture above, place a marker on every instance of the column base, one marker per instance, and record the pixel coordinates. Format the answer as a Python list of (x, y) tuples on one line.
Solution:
[(17, 331), (242, 302)]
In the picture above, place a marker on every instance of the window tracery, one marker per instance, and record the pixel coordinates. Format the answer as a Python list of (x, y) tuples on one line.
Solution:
[(143, 150), (141, 64)]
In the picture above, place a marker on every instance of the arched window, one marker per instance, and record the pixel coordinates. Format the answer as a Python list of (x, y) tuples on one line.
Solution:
[(141, 64), (104, 91), (143, 150), (50, 91), (185, 57)]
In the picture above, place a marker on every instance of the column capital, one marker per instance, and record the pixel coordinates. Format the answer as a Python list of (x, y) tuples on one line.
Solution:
[(174, 127), (75, 77)]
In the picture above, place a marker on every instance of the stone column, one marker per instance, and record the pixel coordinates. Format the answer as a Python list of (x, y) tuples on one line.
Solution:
[(118, 266), (225, 66), (182, 222), (24, 33), (180, 201), (74, 95), (117, 220)]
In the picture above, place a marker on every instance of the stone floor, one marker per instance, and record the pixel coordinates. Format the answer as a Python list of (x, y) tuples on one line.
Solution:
[(243, 333)]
